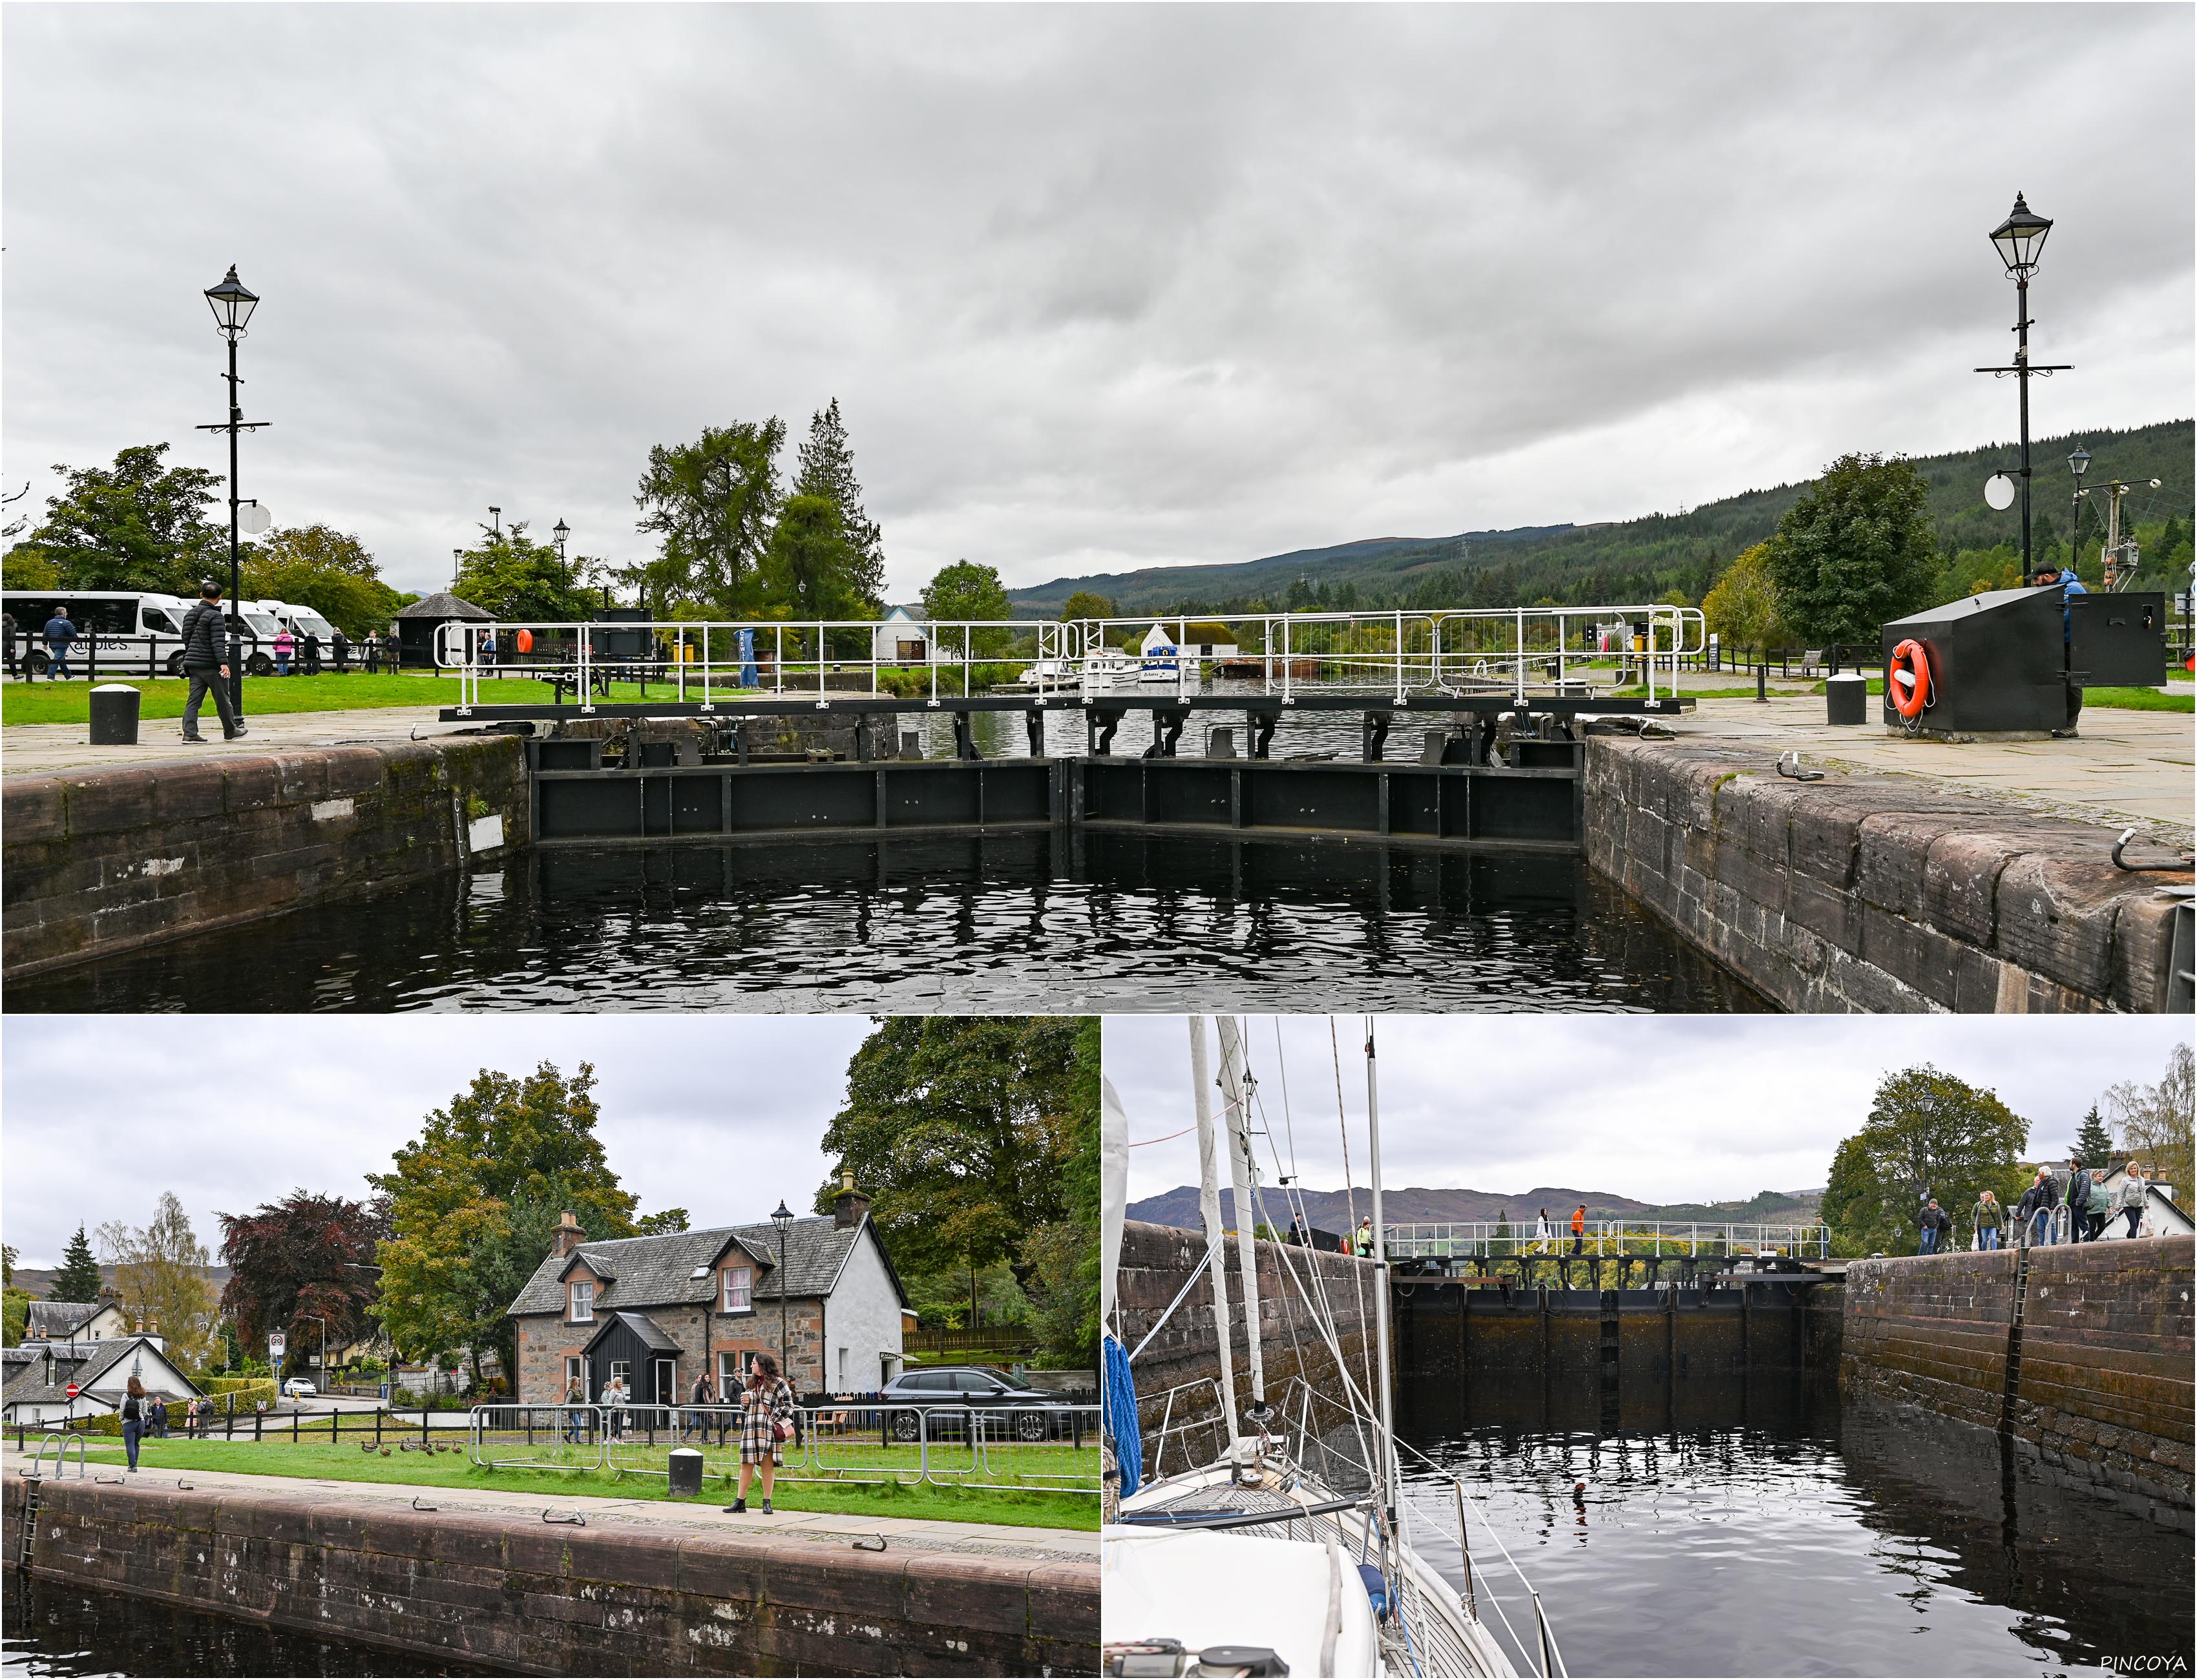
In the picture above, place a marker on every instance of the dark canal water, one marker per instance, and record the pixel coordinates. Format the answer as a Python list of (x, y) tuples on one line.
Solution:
[(55, 1629), (1758, 1527), (1017, 922)]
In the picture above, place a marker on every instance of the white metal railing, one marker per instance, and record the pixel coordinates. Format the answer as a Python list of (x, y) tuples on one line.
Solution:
[(1051, 1448), (1493, 1239), (1507, 652)]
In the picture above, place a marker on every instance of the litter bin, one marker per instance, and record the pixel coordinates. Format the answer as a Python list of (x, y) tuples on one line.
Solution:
[(686, 1472), (1847, 698), (114, 715)]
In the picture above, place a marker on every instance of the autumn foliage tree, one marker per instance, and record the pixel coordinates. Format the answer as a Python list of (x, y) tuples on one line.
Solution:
[(161, 1273), (1927, 1133), (297, 1261)]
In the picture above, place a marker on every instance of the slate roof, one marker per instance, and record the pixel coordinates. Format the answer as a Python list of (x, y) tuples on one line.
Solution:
[(658, 1271), (99, 1359), (646, 1328), (53, 1320), (444, 605)]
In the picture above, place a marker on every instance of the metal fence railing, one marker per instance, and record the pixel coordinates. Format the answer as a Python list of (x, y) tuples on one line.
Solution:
[(1502, 651), (1039, 1449), (1493, 1239)]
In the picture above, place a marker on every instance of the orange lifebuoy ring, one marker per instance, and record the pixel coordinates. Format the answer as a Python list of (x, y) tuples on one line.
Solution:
[(1907, 678), (524, 640)]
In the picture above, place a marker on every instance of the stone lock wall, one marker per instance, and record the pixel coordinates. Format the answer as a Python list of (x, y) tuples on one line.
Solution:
[(1875, 893), (97, 862), (1155, 1261), (504, 1590), (2105, 1391)]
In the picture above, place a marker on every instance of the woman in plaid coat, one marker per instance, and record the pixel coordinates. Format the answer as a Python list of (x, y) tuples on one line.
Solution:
[(766, 1425)]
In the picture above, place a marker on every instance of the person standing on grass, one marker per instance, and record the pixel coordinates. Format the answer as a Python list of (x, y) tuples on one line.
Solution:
[(311, 649), (339, 646), (205, 663), (133, 1419), (766, 1425), (372, 645), (1986, 1219), (286, 645), (697, 1419), (58, 633), (575, 1416)]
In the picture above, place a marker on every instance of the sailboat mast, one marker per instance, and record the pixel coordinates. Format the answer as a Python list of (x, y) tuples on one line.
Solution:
[(1209, 1208), (1236, 1099), (1389, 1477)]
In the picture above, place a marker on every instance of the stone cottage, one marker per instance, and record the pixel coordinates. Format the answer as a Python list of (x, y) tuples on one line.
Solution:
[(660, 1311)]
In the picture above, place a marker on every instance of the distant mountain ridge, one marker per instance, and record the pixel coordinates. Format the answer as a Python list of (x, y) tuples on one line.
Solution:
[(1624, 560), (1330, 1210), (40, 1279)]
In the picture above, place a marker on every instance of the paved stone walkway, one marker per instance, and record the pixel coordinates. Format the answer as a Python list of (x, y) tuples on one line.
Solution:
[(2121, 768), (824, 1528), (44, 749)]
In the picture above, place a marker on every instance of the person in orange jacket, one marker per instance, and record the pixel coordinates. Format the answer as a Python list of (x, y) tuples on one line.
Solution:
[(1579, 1229)]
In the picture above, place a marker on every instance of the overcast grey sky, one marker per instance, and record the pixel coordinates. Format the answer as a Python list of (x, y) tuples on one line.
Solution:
[(718, 1114), (1095, 286), (1659, 1108)]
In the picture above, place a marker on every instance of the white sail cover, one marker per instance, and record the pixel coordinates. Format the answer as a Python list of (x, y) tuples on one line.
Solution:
[(1113, 1193)]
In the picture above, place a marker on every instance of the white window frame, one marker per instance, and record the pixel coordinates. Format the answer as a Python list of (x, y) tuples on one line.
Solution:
[(576, 1370), (732, 1374), (622, 1370), (580, 1293), (746, 1287)]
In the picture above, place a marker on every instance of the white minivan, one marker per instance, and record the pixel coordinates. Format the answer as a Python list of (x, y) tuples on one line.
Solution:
[(129, 628)]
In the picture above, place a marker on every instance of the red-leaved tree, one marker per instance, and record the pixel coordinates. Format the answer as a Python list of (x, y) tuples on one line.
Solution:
[(299, 1261)]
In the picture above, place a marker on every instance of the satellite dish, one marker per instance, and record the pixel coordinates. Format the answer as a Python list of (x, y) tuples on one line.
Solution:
[(1998, 491), (252, 519)]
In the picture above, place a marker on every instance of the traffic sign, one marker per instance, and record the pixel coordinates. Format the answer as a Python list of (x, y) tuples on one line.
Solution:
[(74, 1391), (276, 1344)]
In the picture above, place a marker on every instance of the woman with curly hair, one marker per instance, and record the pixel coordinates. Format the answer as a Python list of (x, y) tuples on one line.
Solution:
[(766, 1425)]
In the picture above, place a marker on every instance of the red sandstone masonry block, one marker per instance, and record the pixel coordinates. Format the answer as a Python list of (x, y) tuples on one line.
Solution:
[(963, 1593), (860, 1584), (723, 1568), (113, 799), (2142, 945), (301, 776), (251, 784), (354, 771), (184, 792), (623, 1556), (33, 807), (1063, 1600), (2055, 918)]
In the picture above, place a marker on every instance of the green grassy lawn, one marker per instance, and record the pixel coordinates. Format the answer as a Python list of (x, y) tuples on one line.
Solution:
[(2123, 699), (328, 1461), (164, 697)]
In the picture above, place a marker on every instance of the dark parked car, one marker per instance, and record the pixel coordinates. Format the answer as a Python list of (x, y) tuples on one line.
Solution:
[(1034, 1413)]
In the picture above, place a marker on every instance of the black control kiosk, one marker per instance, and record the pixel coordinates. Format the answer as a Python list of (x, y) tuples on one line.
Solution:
[(2016, 661)]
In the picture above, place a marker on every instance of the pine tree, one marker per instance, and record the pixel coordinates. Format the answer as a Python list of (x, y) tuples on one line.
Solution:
[(78, 1279), (827, 470), (2093, 1143)]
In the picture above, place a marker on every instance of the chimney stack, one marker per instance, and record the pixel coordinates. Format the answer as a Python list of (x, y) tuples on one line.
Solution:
[(848, 1206), (568, 1234)]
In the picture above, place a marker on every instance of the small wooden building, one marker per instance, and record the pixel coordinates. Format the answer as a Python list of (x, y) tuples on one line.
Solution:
[(420, 623)]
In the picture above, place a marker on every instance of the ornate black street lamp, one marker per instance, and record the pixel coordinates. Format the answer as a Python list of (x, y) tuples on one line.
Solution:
[(560, 531), (781, 1218), (232, 306), (2021, 242)]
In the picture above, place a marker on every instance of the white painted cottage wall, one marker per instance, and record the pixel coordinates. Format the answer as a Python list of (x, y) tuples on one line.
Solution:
[(862, 1317)]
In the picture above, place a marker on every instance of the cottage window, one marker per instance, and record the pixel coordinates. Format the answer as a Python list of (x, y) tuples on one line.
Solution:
[(620, 1371), (737, 1295), (584, 1301), (575, 1372)]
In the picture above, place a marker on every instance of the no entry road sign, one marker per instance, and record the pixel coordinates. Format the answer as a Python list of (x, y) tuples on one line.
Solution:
[(74, 1391)]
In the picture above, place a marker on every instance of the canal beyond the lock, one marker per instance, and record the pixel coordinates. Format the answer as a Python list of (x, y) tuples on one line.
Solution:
[(1758, 1526), (1028, 922)]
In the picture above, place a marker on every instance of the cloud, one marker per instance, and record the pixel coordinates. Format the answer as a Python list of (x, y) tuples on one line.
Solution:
[(1096, 287), (1661, 1108), (719, 1115)]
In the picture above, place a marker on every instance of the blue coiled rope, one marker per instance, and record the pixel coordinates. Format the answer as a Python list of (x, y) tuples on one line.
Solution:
[(1121, 1417)]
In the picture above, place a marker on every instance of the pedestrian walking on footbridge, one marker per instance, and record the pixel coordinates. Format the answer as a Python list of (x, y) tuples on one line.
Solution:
[(2034, 1211), (1936, 1222), (2104, 1204), (2078, 1201), (1579, 1229), (2135, 1191), (1986, 1219), (1364, 1242)]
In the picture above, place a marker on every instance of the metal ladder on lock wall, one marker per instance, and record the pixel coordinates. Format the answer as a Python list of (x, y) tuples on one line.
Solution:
[(2012, 1391)]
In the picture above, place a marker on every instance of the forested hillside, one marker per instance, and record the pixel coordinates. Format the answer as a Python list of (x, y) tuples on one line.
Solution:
[(1645, 559), (1331, 1210)]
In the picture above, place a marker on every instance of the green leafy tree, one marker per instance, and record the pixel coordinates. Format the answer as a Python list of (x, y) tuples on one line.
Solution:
[(710, 504), (161, 1273), (79, 1278), (326, 569), (967, 590), (26, 567), (472, 1201), (1856, 549), (2093, 1143), (513, 577), (14, 1316), (810, 569), (134, 526), (1927, 1133), (1742, 608), (1063, 1254), (964, 1130), (1087, 604), (827, 470)]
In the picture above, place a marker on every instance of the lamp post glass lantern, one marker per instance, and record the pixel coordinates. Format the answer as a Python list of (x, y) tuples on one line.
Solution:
[(2019, 241), (781, 1217), (560, 531), (232, 305)]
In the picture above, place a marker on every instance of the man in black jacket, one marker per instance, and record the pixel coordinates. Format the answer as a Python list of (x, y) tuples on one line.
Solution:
[(1937, 1224), (2079, 1201), (205, 662)]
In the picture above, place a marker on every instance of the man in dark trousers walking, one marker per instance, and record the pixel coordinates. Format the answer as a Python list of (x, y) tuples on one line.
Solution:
[(58, 633), (2079, 1201), (1936, 1222), (1579, 1229), (205, 663)]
